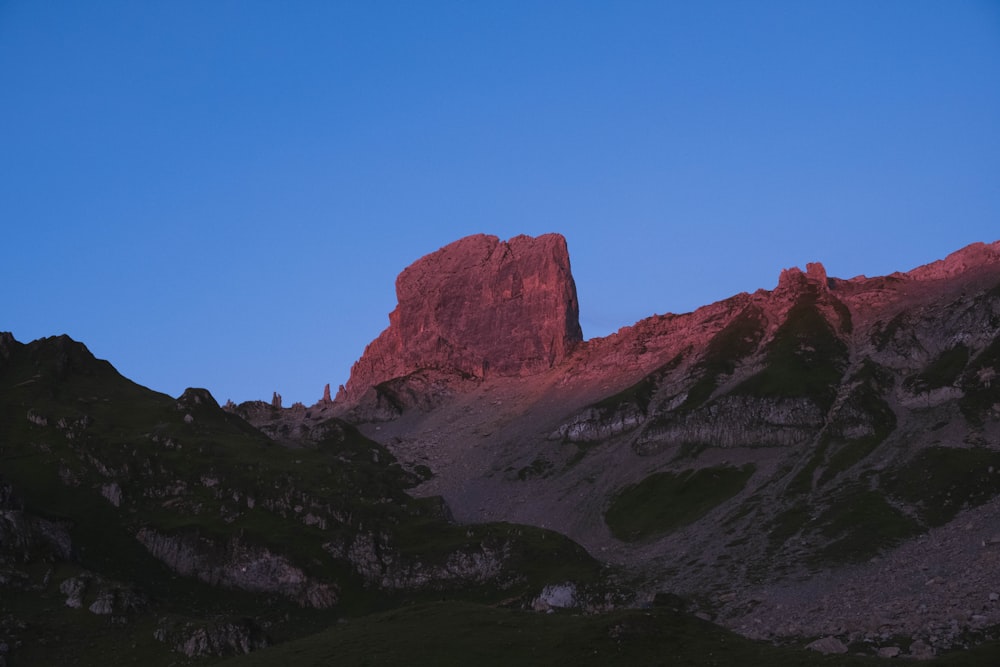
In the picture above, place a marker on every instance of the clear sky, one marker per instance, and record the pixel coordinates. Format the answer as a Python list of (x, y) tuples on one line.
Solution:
[(221, 194)]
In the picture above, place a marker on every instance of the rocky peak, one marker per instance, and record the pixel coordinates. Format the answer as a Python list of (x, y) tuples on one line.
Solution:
[(479, 307), (194, 397), (816, 272), (960, 261), (794, 279)]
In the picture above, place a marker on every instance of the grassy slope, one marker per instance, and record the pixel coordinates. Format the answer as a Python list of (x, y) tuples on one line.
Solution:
[(462, 634), (666, 501), (114, 431), (806, 358)]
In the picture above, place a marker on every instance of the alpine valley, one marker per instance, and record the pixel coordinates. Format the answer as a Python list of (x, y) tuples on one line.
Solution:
[(808, 475)]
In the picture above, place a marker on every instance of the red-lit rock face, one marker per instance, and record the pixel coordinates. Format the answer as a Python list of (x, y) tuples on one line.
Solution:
[(485, 308), (478, 306)]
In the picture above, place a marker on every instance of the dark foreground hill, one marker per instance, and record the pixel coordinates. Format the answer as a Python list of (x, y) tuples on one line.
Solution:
[(136, 528), (134, 525)]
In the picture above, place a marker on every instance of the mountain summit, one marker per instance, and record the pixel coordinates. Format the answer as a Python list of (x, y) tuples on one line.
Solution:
[(740, 449), (477, 307)]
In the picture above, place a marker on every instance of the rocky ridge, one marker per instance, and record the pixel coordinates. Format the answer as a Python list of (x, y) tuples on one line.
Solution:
[(837, 393)]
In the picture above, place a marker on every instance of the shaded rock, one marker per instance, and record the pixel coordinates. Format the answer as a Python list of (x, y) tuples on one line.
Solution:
[(113, 493), (556, 596), (73, 588), (104, 604), (217, 638), (110, 597), (25, 537), (382, 565), (921, 650), (236, 564), (828, 646)]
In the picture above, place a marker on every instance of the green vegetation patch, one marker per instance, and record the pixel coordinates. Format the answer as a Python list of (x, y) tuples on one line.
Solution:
[(806, 358), (942, 372), (788, 524), (846, 454), (864, 399), (941, 481), (862, 523), (855, 525), (666, 501), (737, 340), (802, 482)]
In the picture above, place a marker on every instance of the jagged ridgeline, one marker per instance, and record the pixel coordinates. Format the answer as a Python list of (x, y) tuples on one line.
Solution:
[(778, 446), (174, 524), (817, 464)]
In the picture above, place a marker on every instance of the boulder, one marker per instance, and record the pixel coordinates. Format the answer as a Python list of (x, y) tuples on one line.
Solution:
[(828, 646)]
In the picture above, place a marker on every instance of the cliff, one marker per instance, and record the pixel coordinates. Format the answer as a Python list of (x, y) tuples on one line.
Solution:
[(477, 307)]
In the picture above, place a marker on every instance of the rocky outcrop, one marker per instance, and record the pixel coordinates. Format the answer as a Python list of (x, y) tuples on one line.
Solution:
[(735, 421), (237, 564), (25, 537), (828, 646), (101, 596), (970, 257), (381, 565), (478, 307), (222, 637)]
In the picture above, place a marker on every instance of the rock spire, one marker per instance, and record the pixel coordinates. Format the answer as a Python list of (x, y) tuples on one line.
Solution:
[(481, 307)]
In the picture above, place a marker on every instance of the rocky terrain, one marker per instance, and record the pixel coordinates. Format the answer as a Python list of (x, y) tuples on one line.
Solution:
[(816, 464), (827, 432)]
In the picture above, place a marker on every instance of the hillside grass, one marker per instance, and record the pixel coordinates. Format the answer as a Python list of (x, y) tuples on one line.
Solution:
[(724, 351), (805, 358), (860, 524), (666, 501), (445, 634), (942, 481), (186, 467)]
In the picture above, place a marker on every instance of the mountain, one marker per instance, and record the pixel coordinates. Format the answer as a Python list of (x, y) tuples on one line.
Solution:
[(132, 519), (816, 465), (779, 456)]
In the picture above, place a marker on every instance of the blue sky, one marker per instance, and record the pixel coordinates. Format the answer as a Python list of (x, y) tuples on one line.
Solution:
[(221, 194)]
